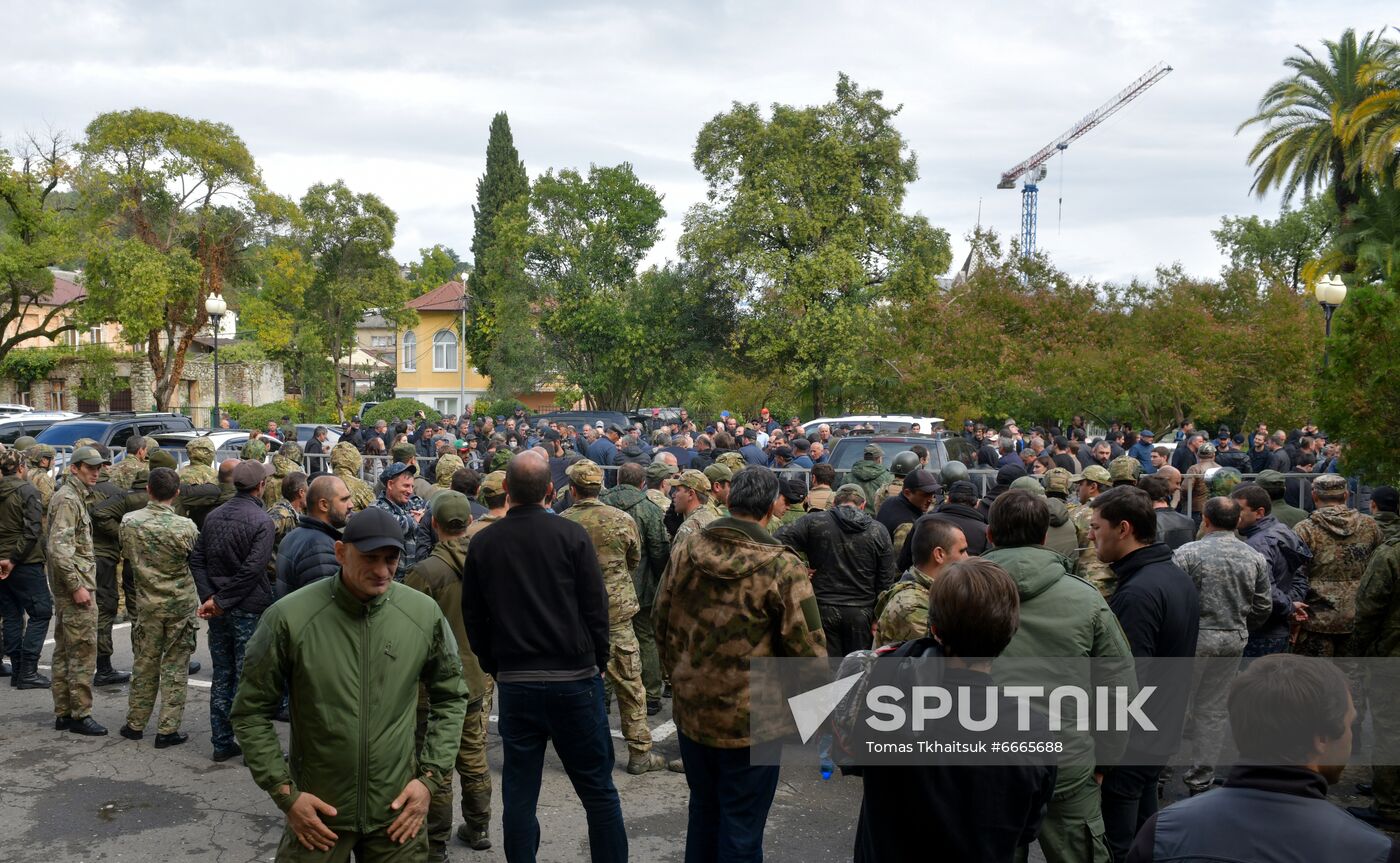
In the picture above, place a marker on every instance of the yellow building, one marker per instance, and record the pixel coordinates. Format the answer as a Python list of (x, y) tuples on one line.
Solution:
[(432, 363)]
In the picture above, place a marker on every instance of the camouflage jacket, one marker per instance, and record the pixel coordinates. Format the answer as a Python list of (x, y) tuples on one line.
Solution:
[(619, 550), (1341, 541), (1389, 524), (1087, 564), (157, 543), (404, 516), (651, 530), (698, 518), (894, 488), (480, 524), (272, 491), (201, 467), (72, 563), (902, 610), (346, 463), (658, 497), (730, 593), (1196, 474), (820, 498), (44, 484), (439, 575), (284, 520), (1233, 580), (1377, 631), (124, 472)]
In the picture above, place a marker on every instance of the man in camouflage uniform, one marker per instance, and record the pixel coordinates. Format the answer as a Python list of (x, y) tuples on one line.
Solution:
[(1341, 541), (439, 576), (619, 550), (41, 457), (200, 470), (254, 449), (1092, 481), (1195, 478), (720, 477), (691, 494), (286, 512), (901, 612), (447, 465), (627, 496), (406, 507), (157, 544), (124, 473), (732, 460), (73, 581), (900, 466), (1276, 485), (493, 496), (869, 473), (287, 460), (731, 593), (345, 463), (1377, 634), (658, 474), (1124, 470), (1236, 595)]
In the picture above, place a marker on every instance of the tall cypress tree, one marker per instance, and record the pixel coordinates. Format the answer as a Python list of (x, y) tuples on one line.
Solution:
[(505, 182)]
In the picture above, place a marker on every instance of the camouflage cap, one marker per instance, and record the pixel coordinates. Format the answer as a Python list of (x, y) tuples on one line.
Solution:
[(853, 489), (161, 458), (201, 444), (84, 441), (1271, 481), (291, 450), (89, 456), (24, 442), (10, 461), (873, 449), (142, 476), (1205, 449), (1094, 473), (447, 464), (452, 510), (253, 450), (1030, 484), (719, 473), (661, 470), (693, 479), (585, 473), (1125, 467), (405, 450), (731, 460), (493, 483), (1057, 479), (39, 451), (1330, 484)]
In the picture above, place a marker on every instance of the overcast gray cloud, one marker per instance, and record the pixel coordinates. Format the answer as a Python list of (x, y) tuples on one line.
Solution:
[(395, 98)]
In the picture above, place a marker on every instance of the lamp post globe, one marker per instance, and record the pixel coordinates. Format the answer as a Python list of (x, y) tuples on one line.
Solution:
[(215, 306), (1331, 292)]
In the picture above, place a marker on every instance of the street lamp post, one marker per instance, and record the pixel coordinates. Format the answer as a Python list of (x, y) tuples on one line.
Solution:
[(462, 366), (215, 307), (1330, 292)]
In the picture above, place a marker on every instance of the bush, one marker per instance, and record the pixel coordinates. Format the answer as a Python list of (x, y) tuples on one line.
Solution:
[(256, 417), (398, 409), (495, 407)]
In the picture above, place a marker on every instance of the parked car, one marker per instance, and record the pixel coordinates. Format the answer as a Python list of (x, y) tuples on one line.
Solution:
[(579, 419), (306, 430), (846, 451), (227, 443), (113, 429), (17, 425), (11, 408), (895, 424)]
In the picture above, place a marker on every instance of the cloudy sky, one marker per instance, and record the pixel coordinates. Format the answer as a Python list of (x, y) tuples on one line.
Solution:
[(395, 98)]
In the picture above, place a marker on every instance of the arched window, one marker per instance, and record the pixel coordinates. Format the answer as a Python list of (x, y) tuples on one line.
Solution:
[(444, 351), (410, 351)]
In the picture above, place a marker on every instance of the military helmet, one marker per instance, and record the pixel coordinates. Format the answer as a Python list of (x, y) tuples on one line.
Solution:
[(732, 460), (291, 450), (1125, 468), (1221, 481), (953, 471), (906, 461), (160, 458), (39, 451), (203, 443), (24, 442)]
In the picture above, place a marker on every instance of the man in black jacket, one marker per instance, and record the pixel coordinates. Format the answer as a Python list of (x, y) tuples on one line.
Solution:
[(229, 563), (1288, 557), (960, 509), (852, 560), (307, 553), (1159, 608), (23, 587), (536, 614), (906, 507)]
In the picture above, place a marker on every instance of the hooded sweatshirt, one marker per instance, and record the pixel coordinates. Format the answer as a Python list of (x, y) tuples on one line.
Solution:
[(870, 476), (21, 517), (850, 553), (1341, 541), (1061, 538)]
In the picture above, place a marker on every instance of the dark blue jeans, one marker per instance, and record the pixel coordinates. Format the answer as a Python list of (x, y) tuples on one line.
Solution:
[(25, 592), (571, 716), (1259, 645), (729, 803), (228, 635)]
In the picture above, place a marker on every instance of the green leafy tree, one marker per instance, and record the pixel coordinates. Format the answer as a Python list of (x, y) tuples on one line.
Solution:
[(434, 267), (804, 219), (36, 232), (175, 206), (1357, 397), (348, 238), (499, 291), (1277, 252), (274, 311)]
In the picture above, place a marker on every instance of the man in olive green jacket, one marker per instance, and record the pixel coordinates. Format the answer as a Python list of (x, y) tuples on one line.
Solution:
[(353, 650)]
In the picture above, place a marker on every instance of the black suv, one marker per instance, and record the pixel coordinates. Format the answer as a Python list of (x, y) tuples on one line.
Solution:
[(846, 451), (112, 429)]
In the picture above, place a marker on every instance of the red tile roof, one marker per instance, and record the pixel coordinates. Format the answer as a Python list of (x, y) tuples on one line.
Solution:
[(446, 297), (64, 292)]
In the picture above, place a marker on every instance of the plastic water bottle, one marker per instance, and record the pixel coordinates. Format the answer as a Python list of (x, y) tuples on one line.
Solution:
[(827, 767)]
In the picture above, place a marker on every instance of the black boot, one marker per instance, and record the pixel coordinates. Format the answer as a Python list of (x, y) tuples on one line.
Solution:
[(27, 674), (18, 664), (4, 668), (107, 675)]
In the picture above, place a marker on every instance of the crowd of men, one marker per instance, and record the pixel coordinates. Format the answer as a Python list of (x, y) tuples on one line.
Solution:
[(381, 594)]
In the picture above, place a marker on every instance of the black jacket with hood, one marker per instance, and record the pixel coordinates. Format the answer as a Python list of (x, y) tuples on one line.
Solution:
[(850, 552), (21, 517), (972, 523)]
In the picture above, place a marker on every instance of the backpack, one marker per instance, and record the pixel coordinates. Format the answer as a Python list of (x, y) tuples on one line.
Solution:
[(847, 715)]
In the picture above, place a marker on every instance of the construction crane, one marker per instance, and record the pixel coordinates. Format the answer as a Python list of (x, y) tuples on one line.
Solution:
[(1032, 170)]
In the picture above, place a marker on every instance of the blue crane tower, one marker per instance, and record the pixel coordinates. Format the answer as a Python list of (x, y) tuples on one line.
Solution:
[(1031, 171)]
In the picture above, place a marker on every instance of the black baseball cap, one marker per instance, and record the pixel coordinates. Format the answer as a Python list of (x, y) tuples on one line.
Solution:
[(373, 528), (921, 480), (1386, 497)]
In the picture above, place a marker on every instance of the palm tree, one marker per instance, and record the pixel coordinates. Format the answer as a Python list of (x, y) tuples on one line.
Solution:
[(1309, 140)]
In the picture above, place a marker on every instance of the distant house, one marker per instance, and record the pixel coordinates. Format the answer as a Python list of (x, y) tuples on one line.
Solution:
[(432, 363), (65, 290), (377, 337)]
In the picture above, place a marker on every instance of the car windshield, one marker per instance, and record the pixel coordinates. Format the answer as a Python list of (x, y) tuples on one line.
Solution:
[(845, 456), (63, 434)]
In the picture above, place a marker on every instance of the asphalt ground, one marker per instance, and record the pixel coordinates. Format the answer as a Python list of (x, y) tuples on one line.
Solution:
[(67, 797)]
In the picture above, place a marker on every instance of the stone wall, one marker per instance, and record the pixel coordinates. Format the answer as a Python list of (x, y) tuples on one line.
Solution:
[(252, 383)]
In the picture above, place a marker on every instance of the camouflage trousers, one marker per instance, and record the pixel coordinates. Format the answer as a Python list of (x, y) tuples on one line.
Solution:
[(651, 658), (228, 636), (161, 649), (472, 772), (624, 675), (74, 655), (1210, 687), (1338, 646)]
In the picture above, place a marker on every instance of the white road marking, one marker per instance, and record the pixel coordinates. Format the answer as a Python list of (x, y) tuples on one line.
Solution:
[(115, 626), (658, 734)]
